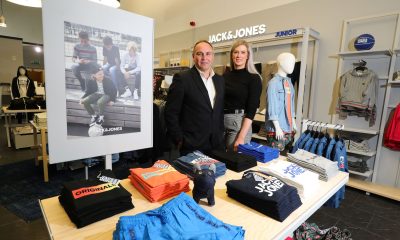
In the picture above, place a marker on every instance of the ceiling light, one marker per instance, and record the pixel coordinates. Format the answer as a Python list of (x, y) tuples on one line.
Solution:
[(28, 3), (111, 3), (38, 49)]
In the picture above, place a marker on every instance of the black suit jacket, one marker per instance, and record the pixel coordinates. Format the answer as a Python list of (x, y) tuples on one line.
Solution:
[(108, 86), (189, 116)]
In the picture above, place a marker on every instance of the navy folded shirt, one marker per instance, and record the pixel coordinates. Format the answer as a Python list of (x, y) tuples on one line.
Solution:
[(264, 193), (234, 161)]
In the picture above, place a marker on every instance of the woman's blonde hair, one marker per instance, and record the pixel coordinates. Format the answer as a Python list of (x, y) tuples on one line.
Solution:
[(249, 62)]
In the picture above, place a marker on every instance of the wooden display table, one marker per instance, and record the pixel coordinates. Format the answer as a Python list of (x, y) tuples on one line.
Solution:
[(9, 113), (43, 140), (257, 225)]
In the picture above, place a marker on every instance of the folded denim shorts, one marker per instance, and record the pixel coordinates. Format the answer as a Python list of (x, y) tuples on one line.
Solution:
[(180, 218)]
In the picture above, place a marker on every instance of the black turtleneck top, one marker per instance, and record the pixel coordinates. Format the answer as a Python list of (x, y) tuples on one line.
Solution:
[(242, 91)]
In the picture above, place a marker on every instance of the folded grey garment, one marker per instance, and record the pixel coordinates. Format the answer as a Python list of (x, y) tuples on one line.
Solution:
[(359, 146), (360, 166)]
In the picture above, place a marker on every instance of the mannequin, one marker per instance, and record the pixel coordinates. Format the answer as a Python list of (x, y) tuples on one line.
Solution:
[(22, 85), (285, 63), (280, 117)]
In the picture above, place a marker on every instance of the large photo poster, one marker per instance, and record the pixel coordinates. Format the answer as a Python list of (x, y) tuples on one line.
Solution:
[(98, 70), (102, 81)]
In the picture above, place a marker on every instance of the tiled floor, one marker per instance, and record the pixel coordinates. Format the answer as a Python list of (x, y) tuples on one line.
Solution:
[(367, 217)]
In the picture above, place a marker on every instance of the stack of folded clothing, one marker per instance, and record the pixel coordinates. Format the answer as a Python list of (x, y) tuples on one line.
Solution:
[(324, 167), (264, 193), (354, 145), (305, 181), (159, 182), (357, 165), (89, 201), (179, 218), (40, 118), (185, 164), (260, 152), (235, 161)]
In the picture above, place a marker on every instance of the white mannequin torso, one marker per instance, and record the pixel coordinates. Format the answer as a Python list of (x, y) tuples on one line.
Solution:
[(286, 62)]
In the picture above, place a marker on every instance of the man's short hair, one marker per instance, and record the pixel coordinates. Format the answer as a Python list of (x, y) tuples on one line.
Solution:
[(202, 41), (107, 40), (83, 35)]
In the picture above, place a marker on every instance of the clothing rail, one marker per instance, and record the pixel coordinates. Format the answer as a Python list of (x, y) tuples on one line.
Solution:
[(306, 123)]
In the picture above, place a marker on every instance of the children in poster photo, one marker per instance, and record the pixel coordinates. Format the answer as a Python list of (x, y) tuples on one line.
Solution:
[(131, 69), (101, 92), (84, 58)]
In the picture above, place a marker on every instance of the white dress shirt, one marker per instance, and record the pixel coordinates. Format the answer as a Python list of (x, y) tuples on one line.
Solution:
[(209, 84)]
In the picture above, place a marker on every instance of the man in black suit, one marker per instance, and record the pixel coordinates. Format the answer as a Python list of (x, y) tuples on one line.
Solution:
[(194, 110)]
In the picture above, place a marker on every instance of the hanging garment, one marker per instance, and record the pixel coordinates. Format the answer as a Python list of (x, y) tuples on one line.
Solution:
[(358, 94), (340, 157), (297, 143), (391, 137), (321, 146), (313, 148)]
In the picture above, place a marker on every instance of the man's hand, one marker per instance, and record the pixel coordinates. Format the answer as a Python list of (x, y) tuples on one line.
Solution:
[(110, 103)]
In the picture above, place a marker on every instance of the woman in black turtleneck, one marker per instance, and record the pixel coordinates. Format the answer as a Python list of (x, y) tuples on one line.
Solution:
[(242, 95)]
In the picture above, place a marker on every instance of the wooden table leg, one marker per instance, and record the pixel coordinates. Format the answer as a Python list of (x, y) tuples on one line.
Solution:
[(35, 144), (7, 125), (44, 153)]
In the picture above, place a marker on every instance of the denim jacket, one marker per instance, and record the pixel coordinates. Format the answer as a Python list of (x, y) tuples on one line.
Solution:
[(276, 104), (321, 146), (314, 145)]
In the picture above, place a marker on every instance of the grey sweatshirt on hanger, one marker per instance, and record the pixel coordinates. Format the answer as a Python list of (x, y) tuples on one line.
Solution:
[(358, 89)]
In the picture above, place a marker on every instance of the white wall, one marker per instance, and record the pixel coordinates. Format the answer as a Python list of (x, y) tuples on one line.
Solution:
[(174, 16), (325, 16), (22, 22)]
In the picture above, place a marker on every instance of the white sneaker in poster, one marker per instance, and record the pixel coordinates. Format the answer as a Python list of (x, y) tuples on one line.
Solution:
[(127, 93), (135, 95)]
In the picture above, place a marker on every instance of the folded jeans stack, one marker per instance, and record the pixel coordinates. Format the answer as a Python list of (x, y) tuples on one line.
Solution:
[(185, 164), (159, 182)]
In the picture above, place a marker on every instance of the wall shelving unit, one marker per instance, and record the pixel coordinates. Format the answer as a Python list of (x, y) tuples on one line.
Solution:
[(383, 59)]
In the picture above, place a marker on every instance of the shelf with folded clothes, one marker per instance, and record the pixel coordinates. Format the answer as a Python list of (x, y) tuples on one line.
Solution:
[(359, 130), (367, 174), (363, 153)]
